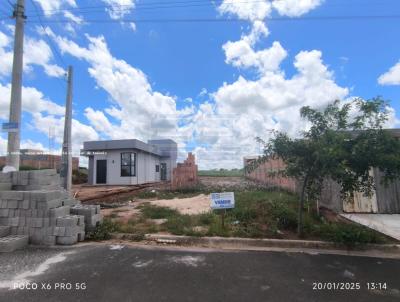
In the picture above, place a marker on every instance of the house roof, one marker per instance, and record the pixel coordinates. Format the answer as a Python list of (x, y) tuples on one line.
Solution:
[(93, 146)]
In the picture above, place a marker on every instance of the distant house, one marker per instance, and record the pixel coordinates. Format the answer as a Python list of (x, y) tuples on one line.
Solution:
[(37, 159), (130, 161)]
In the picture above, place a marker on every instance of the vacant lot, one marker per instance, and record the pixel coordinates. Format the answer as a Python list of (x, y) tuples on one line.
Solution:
[(258, 214)]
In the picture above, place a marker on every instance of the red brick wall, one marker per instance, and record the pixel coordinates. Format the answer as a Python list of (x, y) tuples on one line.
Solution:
[(262, 175), (185, 174), (42, 161)]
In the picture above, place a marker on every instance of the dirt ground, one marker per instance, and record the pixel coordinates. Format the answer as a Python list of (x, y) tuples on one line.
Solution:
[(191, 206), (226, 182)]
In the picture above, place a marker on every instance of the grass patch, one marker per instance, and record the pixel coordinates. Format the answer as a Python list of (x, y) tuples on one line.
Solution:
[(155, 212), (350, 235), (103, 230), (257, 214)]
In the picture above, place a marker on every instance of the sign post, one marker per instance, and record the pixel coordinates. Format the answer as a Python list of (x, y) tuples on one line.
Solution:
[(222, 201), (9, 127)]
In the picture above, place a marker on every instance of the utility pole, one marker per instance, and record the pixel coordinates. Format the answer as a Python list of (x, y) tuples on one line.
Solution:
[(14, 127), (66, 157)]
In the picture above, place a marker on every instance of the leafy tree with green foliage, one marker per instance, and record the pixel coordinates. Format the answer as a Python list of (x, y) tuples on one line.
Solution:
[(343, 143)]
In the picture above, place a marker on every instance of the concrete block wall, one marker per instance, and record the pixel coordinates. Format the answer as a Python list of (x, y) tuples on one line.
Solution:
[(47, 214)]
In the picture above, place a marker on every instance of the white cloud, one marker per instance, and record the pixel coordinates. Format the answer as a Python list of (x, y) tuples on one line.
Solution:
[(80, 131), (246, 10), (73, 18), (48, 6), (138, 111), (36, 52), (33, 102), (25, 144), (391, 77), (132, 26), (295, 8), (225, 129), (241, 54), (119, 8)]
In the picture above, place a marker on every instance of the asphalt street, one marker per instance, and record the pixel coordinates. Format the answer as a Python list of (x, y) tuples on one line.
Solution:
[(130, 273)]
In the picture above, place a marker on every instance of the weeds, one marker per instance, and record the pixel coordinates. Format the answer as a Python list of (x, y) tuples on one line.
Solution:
[(103, 230), (257, 214)]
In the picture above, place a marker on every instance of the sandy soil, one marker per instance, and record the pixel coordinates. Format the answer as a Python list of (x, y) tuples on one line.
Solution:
[(123, 213), (193, 205)]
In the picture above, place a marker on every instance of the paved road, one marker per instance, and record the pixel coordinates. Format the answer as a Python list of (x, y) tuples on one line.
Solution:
[(122, 273)]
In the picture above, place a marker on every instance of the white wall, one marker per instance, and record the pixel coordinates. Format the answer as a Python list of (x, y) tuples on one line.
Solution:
[(145, 168)]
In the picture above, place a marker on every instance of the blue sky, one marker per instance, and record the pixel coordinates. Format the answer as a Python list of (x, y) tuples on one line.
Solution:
[(211, 86)]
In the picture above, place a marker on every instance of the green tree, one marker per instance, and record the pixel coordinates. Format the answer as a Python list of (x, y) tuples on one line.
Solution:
[(343, 143)]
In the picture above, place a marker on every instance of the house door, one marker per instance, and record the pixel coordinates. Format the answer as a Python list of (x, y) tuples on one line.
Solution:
[(163, 171), (101, 171)]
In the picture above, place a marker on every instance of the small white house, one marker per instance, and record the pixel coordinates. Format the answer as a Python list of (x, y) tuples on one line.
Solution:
[(130, 161)]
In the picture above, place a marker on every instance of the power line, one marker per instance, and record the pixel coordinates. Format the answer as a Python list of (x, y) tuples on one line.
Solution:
[(157, 5), (11, 4), (231, 20), (51, 44)]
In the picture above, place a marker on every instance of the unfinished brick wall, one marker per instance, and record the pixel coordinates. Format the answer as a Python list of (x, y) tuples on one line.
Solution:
[(262, 175), (44, 161), (185, 174)]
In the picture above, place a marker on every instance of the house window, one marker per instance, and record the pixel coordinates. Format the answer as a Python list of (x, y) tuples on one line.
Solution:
[(128, 164), (157, 168)]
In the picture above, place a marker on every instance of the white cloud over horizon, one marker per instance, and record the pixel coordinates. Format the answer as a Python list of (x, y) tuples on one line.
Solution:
[(391, 77), (223, 126)]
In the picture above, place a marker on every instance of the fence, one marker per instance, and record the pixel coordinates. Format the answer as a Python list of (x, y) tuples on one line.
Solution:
[(267, 173)]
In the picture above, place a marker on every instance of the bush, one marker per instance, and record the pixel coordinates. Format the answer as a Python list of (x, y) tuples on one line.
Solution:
[(179, 224), (155, 212), (103, 230), (285, 216), (146, 194), (348, 234), (79, 177)]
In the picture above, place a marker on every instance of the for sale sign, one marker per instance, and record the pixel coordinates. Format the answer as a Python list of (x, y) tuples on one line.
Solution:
[(225, 200)]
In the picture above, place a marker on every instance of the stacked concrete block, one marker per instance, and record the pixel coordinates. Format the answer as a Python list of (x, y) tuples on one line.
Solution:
[(5, 182), (91, 213), (71, 229), (44, 214), (35, 180)]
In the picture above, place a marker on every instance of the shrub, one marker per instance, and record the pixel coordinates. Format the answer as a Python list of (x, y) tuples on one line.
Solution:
[(146, 194), (285, 216), (155, 212), (179, 224), (103, 230), (348, 234), (206, 218), (79, 177)]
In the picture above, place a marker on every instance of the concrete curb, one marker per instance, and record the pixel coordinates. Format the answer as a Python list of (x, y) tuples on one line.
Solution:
[(242, 243)]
